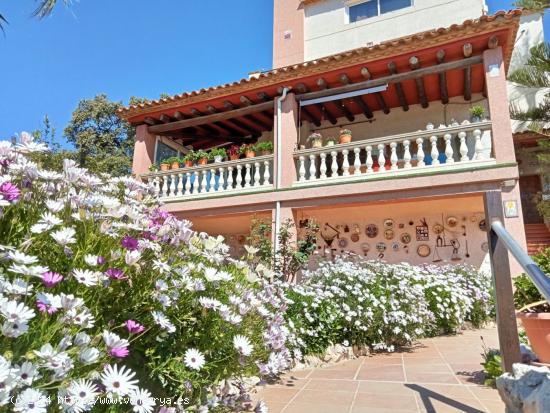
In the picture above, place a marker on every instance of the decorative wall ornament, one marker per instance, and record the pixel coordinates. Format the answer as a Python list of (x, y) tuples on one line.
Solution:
[(423, 250), (485, 247), (381, 247), (452, 221), (405, 238), (389, 223), (389, 234), (482, 225), (371, 231), (438, 228)]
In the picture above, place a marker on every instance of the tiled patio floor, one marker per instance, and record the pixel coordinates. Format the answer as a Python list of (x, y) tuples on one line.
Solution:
[(440, 375)]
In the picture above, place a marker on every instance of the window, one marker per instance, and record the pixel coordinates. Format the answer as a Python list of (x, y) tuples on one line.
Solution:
[(372, 8), (164, 151)]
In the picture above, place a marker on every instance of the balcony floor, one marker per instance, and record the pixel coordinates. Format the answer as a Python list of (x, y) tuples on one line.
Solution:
[(439, 375)]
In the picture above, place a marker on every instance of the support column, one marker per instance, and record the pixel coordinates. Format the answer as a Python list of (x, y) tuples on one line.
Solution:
[(502, 281), (289, 139), (499, 107), (144, 150)]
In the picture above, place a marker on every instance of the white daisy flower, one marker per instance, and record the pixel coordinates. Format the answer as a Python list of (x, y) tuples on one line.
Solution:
[(91, 260), (18, 287), (54, 206), (27, 373), (132, 257), (31, 401), (16, 312), (117, 381), (21, 258), (86, 277), (31, 271), (142, 401), (161, 266), (64, 236), (88, 355), (70, 302), (242, 345), (194, 359), (81, 339), (163, 321), (46, 352), (83, 393)]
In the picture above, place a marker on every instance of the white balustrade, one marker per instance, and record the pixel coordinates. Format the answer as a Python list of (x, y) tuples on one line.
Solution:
[(241, 175), (441, 147)]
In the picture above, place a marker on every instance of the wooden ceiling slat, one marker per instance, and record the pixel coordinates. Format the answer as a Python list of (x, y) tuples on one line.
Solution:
[(398, 87), (443, 90), (247, 129), (414, 62), (325, 113), (378, 95), (344, 79), (338, 103), (467, 50)]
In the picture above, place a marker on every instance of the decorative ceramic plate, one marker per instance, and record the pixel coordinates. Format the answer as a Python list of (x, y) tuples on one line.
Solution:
[(405, 238), (423, 250), (371, 230), (388, 234), (395, 246), (365, 247), (485, 247), (389, 223), (452, 221), (438, 228), (354, 237), (343, 242), (381, 247)]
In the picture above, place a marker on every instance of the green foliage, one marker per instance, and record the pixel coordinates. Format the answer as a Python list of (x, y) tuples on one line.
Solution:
[(538, 5), (265, 146), (477, 111), (217, 152), (525, 292), (247, 148), (200, 154), (190, 156), (52, 159), (492, 364)]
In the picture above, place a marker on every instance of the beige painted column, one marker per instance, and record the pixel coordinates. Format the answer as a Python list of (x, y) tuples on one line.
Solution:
[(515, 225), (288, 32), (144, 150), (499, 108), (289, 139)]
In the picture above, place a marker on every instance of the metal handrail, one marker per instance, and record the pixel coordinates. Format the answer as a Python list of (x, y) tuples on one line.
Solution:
[(539, 278)]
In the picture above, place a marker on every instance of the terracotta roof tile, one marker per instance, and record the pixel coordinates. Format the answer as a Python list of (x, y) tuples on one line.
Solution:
[(281, 74)]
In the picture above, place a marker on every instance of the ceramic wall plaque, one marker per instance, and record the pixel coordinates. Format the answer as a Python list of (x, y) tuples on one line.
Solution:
[(371, 231)]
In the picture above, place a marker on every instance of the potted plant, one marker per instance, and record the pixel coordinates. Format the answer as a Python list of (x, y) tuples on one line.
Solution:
[(476, 113), (234, 152), (201, 157), (315, 140), (174, 162), (265, 148), (217, 154), (248, 150), (535, 310), (165, 164), (153, 167), (330, 141), (189, 159), (345, 136)]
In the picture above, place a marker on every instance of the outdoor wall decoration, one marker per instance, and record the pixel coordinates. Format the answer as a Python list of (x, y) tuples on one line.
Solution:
[(424, 250), (423, 231), (371, 230), (405, 238), (388, 234)]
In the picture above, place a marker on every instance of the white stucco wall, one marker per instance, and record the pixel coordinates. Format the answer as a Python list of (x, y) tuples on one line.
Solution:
[(327, 31), (530, 33)]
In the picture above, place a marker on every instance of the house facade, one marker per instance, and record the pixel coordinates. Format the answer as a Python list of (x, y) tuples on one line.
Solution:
[(408, 186)]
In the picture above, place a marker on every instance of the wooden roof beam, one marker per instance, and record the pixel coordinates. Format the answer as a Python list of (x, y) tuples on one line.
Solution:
[(236, 123), (302, 88), (414, 62), (254, 119), (344, 79), (151, 121), (212, 129), (467, 52), (264, 114), (443, 90), (378, 95), (338, 103), (398, 87)]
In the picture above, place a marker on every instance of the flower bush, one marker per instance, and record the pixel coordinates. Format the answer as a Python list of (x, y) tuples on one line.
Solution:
[(102, 294), (356, 302)]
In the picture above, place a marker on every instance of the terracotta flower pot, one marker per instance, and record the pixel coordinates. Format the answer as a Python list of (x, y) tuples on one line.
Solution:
[(234, 157), (175, 165), (250, 154), (345, 138), (164, 166), (317, 143), (264, 153), (188, 164), (203, 161), (537, 327)]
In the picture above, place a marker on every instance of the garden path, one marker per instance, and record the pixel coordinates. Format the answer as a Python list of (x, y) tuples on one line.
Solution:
[(438, 375)]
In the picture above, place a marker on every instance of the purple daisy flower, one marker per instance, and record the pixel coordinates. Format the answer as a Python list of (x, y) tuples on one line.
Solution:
[(119, 352), (129, 243), (45, 308), (9, 191), (116, 274), (100, 260), (51, 278), (134, 327)]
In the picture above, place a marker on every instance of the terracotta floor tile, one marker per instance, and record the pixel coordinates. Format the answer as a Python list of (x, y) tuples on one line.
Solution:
[(321, 397), (485, 393), (332, 385), (317, 408), (290, 381), (333, 374), (276, 407), (427, 368), (454, 405), (277, 394), (300, 374), (494, 406), (380, 388), (346, 365), (383, 373), (447, 378), (394, 402), (440, 390)]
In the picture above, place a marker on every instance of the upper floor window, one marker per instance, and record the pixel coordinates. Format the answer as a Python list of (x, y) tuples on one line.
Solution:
[(372, 8), (164, 151)]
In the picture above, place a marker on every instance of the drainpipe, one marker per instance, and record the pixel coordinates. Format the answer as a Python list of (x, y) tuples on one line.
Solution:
[(278, 163)]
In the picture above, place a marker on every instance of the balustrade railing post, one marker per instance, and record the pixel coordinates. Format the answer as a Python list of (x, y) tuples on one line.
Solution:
[(435, 152), (420, 152), (302, 168), (323, 167), (463, 147), (448, 149), (247, 176), (230, 178), (393, 156), (221, 180), (180, 184), (165, 185), (381, 158), (266, 173), (478, 146), (312, 167), (345, 162), (188, 183), (407, 154), (369, 162), (357, 161), (334, 164), (257, 175)]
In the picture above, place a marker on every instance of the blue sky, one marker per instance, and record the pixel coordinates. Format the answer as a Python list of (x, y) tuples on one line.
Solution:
[(124, 48)]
